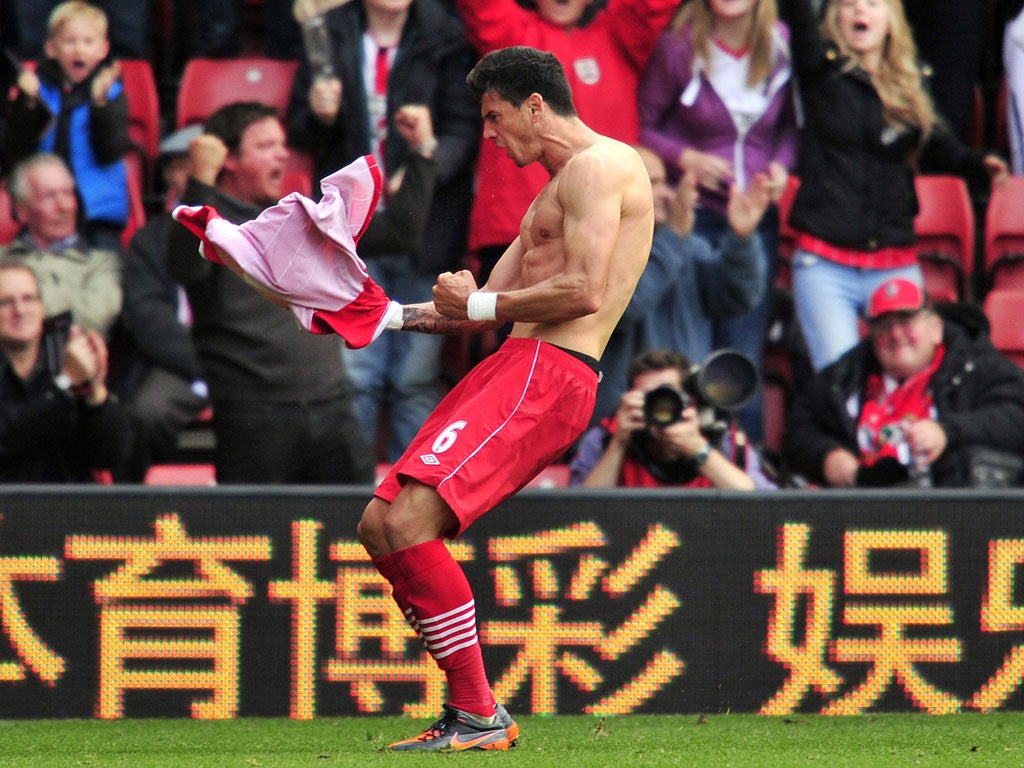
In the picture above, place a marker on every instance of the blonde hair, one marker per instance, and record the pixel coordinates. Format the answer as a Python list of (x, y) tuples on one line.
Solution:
[(898, 79), (698, 17), (75, 9)]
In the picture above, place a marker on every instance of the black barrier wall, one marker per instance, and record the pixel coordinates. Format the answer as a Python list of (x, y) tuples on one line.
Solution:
[(222, 602)]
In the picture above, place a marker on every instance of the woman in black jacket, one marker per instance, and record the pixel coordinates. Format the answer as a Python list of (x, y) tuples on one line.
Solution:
[(868, 121)]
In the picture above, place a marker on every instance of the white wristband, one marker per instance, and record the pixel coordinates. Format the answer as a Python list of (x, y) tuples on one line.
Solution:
[(395, 317), (482, 306)]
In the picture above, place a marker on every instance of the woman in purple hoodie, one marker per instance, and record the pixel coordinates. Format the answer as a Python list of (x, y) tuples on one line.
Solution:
[(717, 101)]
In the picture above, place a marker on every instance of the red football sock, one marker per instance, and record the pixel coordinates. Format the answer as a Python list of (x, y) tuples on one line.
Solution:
[(388, 568), (442, 606)]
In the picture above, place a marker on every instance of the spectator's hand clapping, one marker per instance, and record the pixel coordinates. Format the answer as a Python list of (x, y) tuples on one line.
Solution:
[(104, 81), (85, 363), (778, 179), (746, 208), (28, 83), (711, 172), (413, 124), (680, 206)]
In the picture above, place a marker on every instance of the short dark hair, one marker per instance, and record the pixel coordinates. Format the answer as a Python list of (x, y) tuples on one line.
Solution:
[(658, 360), (516, 72), (230, 121)]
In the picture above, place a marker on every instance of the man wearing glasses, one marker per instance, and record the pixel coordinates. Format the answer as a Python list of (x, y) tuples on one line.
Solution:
[(58, 423), (922, 400)]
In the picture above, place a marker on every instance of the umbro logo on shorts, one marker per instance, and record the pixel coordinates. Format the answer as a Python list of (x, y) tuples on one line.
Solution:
[(429, 458)]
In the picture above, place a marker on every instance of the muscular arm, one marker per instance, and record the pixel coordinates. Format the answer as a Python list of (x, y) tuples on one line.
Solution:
[(562, 277), (556, 271)]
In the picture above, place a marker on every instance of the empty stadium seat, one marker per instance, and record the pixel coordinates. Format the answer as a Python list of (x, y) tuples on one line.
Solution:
[(945, 236), (208, 84), (1004, 309), (181, 474), (1004, 235)]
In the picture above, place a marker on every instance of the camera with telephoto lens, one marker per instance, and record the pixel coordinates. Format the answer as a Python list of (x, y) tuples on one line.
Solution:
[(726, 380)]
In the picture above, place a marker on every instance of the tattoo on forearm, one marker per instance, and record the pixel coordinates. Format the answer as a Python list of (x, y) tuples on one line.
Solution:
[(425, 319)]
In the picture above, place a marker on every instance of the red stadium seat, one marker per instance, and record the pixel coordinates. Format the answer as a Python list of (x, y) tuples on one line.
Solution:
[(1004, 309), (143, 111), (208, 84), (136, 204), (945, 236), (1004, 235), (181, 474), (102, 477), (777, 394), (9, 226)]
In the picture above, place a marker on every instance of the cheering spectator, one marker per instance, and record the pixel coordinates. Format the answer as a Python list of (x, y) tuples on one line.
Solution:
[(716, 102), (74, 106), (868, 122), (386, 55)]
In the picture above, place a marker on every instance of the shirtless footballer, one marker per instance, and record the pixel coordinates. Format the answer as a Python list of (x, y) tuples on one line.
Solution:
[(564, 283)]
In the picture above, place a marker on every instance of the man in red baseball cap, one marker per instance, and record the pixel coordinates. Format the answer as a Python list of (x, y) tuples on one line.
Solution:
[(896, 295), (907, 335), (913, 402)]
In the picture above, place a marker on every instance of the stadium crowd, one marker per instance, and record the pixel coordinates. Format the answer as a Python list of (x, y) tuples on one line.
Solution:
[(837, 111)]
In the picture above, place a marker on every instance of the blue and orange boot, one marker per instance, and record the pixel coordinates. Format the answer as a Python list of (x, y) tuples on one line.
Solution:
[(458, 730)]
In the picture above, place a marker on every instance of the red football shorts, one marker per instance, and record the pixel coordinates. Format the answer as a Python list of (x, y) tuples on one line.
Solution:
[(512, 415)]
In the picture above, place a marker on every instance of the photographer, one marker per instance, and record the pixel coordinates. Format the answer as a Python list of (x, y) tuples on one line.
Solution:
[(642, 446)]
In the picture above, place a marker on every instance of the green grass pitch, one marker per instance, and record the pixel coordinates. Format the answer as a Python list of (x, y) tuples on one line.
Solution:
[(866, 741)]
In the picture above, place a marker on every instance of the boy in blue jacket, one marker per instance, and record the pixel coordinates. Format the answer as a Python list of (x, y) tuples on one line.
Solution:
[(74, 105)]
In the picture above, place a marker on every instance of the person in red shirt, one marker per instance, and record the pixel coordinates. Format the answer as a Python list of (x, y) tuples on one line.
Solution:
[(603, 46)]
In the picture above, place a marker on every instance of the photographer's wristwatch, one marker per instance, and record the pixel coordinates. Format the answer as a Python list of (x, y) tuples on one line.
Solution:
[(701, 456)]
